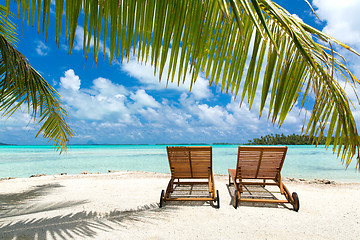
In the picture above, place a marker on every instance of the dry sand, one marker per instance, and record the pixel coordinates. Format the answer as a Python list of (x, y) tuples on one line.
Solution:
[(124, 205)]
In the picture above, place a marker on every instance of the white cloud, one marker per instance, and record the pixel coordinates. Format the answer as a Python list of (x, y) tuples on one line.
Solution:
[(297, 17), (103, 101), (20, 118), (41, 48), (110, 113), (141, 98), (19, 128), (70, 81), (145, 75), (107, 88), (215, 115), (342, 22), (342, 19)]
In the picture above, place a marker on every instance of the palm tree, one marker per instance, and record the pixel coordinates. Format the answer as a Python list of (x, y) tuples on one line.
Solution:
[(232, 42)]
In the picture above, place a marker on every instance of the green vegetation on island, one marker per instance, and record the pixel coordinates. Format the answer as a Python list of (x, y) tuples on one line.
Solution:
[(5, 144), (293, 139)]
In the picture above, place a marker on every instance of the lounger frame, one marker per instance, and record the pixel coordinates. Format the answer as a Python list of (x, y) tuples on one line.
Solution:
[(264, 164), (190, 165)]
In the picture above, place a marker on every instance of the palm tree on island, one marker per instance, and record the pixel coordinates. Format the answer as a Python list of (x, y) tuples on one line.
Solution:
[(231, 42)]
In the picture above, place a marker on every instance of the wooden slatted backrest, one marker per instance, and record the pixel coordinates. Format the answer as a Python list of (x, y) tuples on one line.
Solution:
[(190, 162), (260, 162)]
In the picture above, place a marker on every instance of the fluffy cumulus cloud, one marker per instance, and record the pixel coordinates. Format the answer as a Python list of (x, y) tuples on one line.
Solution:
[(106, 112), (342, 19), (104, 100), (111, 113), (70, 81), (143, 99), (342, 22)]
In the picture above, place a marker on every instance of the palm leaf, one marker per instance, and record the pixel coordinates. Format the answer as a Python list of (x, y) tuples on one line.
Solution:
[(20, 85), (297, 59)]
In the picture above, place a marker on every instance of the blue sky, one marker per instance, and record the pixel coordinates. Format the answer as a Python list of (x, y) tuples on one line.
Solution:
[(125, 103)]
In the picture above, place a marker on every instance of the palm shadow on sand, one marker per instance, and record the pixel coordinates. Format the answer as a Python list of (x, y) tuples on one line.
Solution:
[(67, 226), (80, 224)]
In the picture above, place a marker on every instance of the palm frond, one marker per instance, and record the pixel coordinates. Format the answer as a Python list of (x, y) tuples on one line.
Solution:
[(7, 28), (20, 85), (232, 42)]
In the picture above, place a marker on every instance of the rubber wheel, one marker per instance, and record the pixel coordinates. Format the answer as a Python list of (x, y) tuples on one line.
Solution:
[(296, 203), (217, 200), (236, 199), (161, 199)]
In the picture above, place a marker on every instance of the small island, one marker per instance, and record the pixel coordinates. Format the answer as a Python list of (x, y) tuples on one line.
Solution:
[(5, 144), (293, 139)]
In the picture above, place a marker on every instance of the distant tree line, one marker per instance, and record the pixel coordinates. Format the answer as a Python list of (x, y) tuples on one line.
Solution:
[(293, 139)]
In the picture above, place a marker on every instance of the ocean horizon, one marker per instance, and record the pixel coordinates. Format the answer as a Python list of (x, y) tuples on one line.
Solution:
[(302, 161)]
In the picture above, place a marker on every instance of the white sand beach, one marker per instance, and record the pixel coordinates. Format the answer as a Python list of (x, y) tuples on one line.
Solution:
[(124, 205)]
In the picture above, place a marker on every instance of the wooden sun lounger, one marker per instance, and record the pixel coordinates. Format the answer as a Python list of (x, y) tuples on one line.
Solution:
[(190, 166), (260, 163)]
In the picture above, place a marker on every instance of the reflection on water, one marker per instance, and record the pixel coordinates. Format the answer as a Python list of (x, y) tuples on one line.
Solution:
[(22, 161)]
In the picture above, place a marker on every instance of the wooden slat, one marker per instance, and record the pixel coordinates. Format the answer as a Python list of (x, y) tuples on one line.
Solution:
[(190, 183), (262, 200), (195, 160), (189, 199), (260, 162), (258, 183)]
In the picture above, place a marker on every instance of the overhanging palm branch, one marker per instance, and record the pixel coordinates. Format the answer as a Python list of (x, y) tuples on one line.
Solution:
[(236, 43), (20, 85)]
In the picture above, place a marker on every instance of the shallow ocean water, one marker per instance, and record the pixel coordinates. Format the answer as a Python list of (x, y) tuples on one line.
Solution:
[(307, 162)]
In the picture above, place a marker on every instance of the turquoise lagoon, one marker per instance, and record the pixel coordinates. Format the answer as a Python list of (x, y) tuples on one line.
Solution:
[(307, 162)]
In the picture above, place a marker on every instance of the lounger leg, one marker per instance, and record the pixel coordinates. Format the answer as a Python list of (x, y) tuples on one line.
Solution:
[(281, 185), (239, 187), (237, 195), (172, 185), (169, 188), (211, 183), (287, 193), (213, 186)]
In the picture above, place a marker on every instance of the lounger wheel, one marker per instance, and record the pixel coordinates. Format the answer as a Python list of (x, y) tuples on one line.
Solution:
[(296, 203), (161, 199), (217, 199), (236, 199)]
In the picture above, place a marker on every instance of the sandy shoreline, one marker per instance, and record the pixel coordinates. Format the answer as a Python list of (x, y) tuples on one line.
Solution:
[(124, 205), (288, 179)]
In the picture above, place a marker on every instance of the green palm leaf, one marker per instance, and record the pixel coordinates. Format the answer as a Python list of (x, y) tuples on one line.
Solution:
[(297, 59), (20, 85)]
